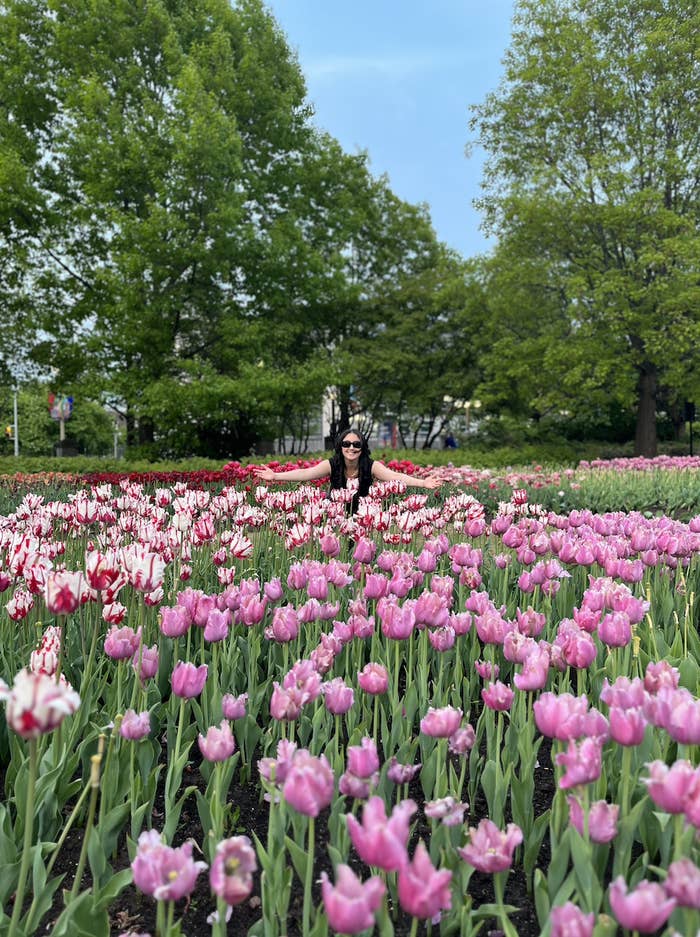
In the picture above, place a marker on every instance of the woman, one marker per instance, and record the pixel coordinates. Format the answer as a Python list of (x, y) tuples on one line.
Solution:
[(350, 461)]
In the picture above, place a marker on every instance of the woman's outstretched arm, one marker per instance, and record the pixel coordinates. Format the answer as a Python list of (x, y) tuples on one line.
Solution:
[(321, 470), (384, 474)]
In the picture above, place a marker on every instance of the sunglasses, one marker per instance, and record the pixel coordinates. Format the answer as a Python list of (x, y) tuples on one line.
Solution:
[(351, 445)]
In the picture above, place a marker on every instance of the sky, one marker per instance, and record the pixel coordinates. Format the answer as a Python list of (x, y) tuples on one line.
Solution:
[(396, 78)]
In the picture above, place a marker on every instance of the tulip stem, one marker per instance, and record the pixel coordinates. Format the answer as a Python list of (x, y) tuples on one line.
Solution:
[(309, 878), (414, 927), (96, 761), (625, 771), (28, 831), (499, 881), (219, 928)]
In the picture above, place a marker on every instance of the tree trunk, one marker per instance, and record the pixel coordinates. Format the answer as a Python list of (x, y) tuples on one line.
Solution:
[(131, 437), (344, 407), (645, 436)]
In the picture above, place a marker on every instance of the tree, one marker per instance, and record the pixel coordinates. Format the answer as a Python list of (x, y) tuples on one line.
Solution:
[(195, 250), (593, 178), (419, 364)]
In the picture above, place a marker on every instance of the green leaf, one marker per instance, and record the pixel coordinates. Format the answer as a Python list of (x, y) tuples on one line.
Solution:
[(299, 857), (117, 883)]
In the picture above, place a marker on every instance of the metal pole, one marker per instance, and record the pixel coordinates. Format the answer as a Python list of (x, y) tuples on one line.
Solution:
[(16, 433)]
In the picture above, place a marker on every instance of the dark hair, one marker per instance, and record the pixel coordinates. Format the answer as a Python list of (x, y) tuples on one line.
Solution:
[(338, 476)]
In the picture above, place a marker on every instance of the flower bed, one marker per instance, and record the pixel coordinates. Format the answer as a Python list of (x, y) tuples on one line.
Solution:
[(247, 703)]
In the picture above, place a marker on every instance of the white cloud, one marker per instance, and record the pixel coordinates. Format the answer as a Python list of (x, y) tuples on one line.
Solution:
[(390, 66)]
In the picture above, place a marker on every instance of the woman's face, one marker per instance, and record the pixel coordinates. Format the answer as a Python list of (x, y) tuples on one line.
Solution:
[(351, 447)]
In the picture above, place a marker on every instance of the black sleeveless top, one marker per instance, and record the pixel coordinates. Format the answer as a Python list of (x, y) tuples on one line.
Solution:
[(339, 478)]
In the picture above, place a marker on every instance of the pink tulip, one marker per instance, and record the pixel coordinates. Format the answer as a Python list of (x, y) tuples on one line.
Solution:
[(569, 921), (200, 606), (285, 624), (462, 741), (441, 723), (234, 707), (275, 770), (231, 873), (376, 586), (305, 679), (145, 662), (423, 891), (380, 841), (645, 909), (624, 693), (560, 716), (252, 610), (218, 744), (671, 788), (577, 646), (363, 760), (461, 623), (398, 621), (535, 671), (165, 873), (373, 679), (401, 774), (273, 589), (683, 883), (583, 763), (530, 622), (135, 726), (174, 622), (627, 725), (309, 784), (446, 809), (615, 629), (187, 680), (217, 626), (683, 723), (431, 610), (350, 906), (285, 704), (497, 696), (317, 587), (330, 545), (337, 696), (122, 643), (37, 704), (491, 627), (364, 551), (661, 674), (602, 819), (357, 788), (486, 669), (491, 849)]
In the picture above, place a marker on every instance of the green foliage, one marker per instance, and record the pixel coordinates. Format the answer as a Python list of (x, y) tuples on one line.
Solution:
[(200, 252), (89, 429), (592, 187)]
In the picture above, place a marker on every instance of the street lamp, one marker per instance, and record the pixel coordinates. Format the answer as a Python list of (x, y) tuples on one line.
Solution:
[(14, 413)]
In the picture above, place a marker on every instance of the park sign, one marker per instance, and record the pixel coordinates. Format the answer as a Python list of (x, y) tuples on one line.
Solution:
[(60, 407)]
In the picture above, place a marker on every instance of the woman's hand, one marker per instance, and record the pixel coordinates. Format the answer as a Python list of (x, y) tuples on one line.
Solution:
[(432, 482), (263, 473)]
